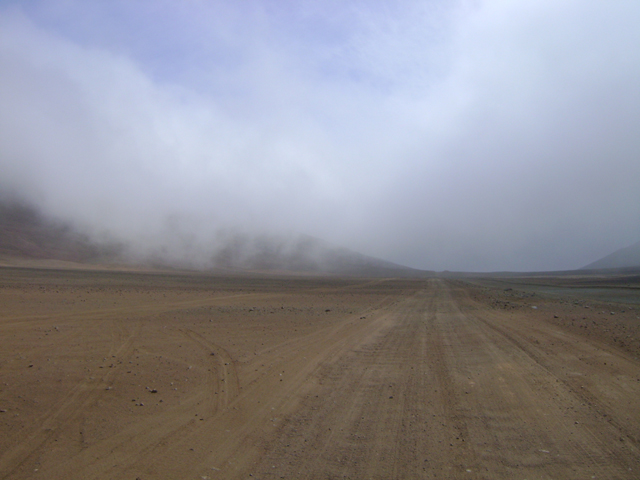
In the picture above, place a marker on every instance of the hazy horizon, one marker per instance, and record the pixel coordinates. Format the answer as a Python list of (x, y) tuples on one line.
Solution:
[(463, 136)]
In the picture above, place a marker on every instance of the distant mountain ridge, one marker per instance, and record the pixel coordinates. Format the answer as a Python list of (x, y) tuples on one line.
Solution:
[(624, 258), (27, 234)]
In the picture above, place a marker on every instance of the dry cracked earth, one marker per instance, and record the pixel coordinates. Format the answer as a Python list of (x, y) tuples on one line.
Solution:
[(121, 375)]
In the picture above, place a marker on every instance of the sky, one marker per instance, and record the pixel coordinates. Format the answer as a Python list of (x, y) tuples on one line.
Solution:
[(462, 135)]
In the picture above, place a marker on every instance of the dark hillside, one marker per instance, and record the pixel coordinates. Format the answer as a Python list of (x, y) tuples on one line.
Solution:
[(25, 233)]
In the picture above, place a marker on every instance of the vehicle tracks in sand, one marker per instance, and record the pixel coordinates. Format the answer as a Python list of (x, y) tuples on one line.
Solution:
[(580, 420), (394, 379), (355, 422), (223, 384), (71, 408), (449, 394)]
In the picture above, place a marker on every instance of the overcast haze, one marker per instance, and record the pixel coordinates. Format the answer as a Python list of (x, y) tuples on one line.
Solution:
[(471, 135)]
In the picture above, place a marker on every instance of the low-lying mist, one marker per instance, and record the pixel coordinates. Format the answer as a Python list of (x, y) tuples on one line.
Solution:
[(474, 136), (29, 234)]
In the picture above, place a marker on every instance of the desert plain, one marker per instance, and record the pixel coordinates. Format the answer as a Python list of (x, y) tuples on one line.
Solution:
[(108, 374)]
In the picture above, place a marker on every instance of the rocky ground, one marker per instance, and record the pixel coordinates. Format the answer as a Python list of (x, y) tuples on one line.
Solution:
[(171, 375)]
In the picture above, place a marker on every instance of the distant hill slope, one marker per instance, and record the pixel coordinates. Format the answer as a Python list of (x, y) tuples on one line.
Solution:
[(303, 254), (27, 234), (623, 258)]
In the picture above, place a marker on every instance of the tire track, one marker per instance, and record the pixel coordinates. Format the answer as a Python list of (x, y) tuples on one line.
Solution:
[(537, 421), (69, 409), (359, 386), (468, 401), (522, 344), (420, 382), (223, 384)]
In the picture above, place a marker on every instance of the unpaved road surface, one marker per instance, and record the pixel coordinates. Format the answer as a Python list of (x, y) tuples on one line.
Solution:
[(109, 375)]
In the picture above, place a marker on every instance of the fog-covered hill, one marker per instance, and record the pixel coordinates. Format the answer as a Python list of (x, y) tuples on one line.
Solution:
[(623, 258), (25, 233), (301, 254)]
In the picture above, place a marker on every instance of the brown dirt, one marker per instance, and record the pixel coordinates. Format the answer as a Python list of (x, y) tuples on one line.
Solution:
[(165, 376)]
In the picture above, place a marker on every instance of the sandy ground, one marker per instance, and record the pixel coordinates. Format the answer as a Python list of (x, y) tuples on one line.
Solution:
[(115, 375)]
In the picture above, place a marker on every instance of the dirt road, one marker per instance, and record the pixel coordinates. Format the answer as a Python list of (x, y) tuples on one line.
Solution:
[(158, 378)]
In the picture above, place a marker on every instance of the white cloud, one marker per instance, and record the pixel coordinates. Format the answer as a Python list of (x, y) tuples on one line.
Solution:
[(485, 135)]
